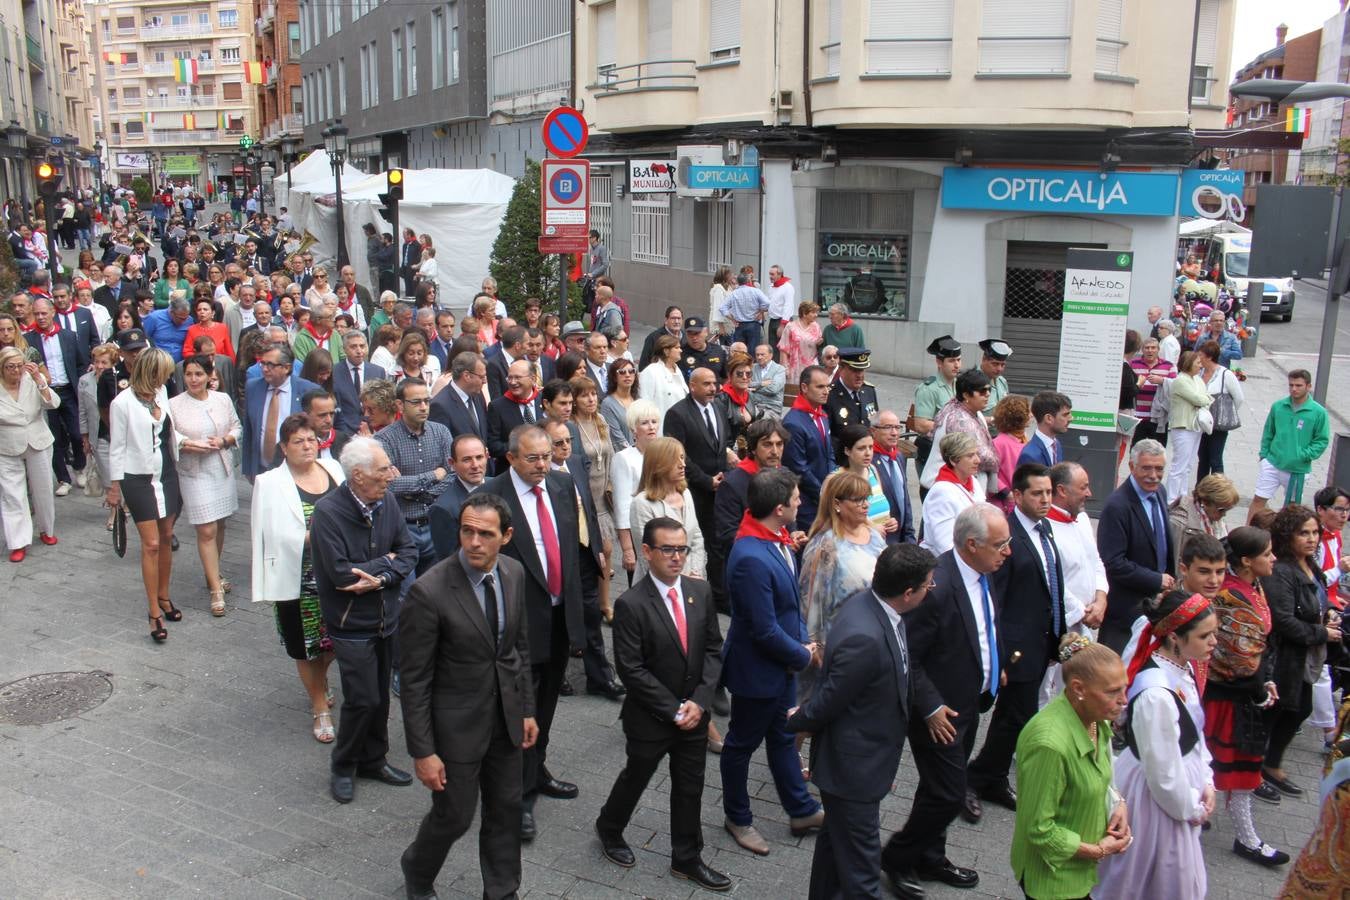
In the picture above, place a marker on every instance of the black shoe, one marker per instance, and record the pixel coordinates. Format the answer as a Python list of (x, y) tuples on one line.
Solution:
[(1264, 855), (971, 809), (951, 874), (1283, 785), (1267, 792), (721, 703), (565, 689), (415, 893), (388, 774), (173, 543), (343, 787), (527, 829), (558, 790), (698, 872), (616, 849), (613, 690), (904, 883), (1002, 794)]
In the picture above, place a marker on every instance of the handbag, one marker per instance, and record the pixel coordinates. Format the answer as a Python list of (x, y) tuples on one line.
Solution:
[(1205, 420), (1225, 409), (119, 532)]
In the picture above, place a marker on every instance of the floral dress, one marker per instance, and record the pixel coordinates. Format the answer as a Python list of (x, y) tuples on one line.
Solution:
[(833, 569), (311, 621), (799, 345)]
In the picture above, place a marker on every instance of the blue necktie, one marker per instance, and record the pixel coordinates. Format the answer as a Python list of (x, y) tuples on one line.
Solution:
[(990, 637), (1159, 532), (1051, 575)]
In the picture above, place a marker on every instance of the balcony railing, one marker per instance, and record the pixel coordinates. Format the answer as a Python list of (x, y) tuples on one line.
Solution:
[(648, 75), (71, 82), (176, 32), (65, 30), (35, 51), (187, 137), (539, 67), (199, 101), (132, 102), (167, 68), (288, 123)]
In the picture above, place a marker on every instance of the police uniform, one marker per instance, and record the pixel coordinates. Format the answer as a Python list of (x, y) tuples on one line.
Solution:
[(713, 356), (998, 387), (843, 407), (932, 395)]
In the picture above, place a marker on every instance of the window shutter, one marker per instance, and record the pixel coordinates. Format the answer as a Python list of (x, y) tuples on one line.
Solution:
[(1024, 37), (1110, 32), (724, 25), (1207, 42), (658, 29), (834, 34), (605, 51), (909, 37)]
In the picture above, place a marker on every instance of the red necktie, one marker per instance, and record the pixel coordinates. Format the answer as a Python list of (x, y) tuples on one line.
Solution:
[(679, 619), (552, 553)]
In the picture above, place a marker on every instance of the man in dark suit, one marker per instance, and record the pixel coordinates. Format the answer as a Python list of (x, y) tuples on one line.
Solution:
[(1052, 412), (65, 364), (468, 458), (460, 406), (518, 406), (511, 340), (694, 422), (362, 552), (766, 643), (1135, 543), (852, 401), (77, 320), (544, 367), (889, 464), (809, 452), (318, 407), (858, 716), (954, 668), (543, 508), (349, 376), (1030, 623), (267, 403), (468, 710), (114, 289), (597, 360), (667, 647), (673, 326)]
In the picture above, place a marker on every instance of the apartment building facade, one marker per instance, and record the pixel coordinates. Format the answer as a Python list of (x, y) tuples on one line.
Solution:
[(174, 89), (948, 151), (1321, 157)]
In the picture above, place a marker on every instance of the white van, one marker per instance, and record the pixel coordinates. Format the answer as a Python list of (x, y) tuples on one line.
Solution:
[(1227, 260)]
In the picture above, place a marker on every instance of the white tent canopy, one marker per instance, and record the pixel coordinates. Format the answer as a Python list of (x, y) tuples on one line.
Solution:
[(1199, 228)]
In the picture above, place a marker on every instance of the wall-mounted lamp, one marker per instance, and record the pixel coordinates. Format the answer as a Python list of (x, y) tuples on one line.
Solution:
[(964, 155), (1110, 161)]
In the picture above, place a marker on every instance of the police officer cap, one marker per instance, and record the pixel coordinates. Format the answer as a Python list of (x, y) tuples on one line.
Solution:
[(131, 339), (694, 323), (855, 357), (945, 347), (996, 349)]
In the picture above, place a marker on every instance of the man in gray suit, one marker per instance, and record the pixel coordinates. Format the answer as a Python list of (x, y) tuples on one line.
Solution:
[(858, 715), (468, 704)]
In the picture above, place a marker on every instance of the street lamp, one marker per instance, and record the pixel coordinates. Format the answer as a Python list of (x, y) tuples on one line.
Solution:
[(17, 136), (98, 167), (335, 142), (1277, 91), (266, 172), (288, 148)]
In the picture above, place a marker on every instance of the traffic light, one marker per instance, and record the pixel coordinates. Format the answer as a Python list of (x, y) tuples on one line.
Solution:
[(394, 182), (48, 179)]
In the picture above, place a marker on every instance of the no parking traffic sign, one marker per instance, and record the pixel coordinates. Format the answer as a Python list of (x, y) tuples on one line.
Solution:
[(565, 205), (565, 132)]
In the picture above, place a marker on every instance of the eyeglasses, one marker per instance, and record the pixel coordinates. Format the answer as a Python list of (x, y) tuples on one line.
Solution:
[(273, 365), (860, 500), (1340, 510), (886, 427), (563, 442), (535, 459), (670, 552)]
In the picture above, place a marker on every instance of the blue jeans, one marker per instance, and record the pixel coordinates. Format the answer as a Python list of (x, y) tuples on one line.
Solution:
[(755, 721), (749, 332)]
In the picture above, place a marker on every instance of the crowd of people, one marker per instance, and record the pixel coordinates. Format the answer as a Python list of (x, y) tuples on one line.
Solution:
[(453, 503)]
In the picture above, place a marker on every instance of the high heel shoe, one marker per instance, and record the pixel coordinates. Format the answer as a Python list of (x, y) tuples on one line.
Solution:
[(160, 634), (217, 603), (171, 612)]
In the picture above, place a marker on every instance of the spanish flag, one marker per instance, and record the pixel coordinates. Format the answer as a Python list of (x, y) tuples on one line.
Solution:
[(116, 59), (189, 121), (185, 71), (255, 72), (1298, 120)]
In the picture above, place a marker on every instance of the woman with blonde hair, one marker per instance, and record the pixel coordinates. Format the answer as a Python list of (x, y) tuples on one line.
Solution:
[(723, 283), (1202, 511), (662, 491), (1189, 403), (318, 288), (799, 341), (644, 423), (25, 453), (955, 488), (414, 359)]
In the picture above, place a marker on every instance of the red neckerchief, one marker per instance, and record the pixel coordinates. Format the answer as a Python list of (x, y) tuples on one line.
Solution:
[(848, 320), (947, 473), (324, 445), (892, 454), (39, 292), (348, 305), (752, 527), (748, 466), (525, 402), (817, 413), (309, 326), (56, 326), (1330, 561), (740, 398), (779, 282), (1058, 515)]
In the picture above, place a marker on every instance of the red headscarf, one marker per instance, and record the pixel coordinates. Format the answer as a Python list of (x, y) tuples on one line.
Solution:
[(1151, 640)]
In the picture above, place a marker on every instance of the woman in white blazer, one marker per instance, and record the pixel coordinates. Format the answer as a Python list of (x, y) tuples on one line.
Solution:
[(25, 452), (283, 572), (662, 382)]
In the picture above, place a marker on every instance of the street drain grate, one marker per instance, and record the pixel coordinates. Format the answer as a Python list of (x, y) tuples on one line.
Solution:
[(52, 697)]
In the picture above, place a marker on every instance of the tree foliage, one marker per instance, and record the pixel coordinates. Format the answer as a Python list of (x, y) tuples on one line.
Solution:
[(520, 269), (141, 189)]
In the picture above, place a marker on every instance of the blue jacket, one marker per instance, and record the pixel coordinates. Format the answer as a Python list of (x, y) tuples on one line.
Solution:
[(255, 411), (766, 640), (809, 457), (1035, 452), (1230, 349), (1125, 544)]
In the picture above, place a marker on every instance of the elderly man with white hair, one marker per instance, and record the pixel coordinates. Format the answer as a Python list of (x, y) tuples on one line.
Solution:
[(1169, 348)]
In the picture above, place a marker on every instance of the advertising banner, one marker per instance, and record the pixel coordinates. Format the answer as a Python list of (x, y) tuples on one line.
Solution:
[(1092, 333)]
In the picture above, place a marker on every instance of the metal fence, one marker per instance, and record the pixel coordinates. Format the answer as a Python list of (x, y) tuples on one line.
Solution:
[(651, 229)]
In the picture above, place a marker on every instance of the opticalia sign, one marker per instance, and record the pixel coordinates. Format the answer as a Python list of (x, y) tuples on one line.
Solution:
[(732, 178), (1061, 191)]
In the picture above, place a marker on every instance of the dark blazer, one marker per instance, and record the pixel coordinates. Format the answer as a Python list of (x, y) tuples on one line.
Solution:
[(453, 673), (1295, 626), (1024, 621), (441, 351), (810, 458), (944, 652), (766, 640), (657, 672), (1034, 451), (103, 296), (844, 410), (729, 506), (347, 419), (1125, 543), (860, 709), (450, 411), (341, 540), (86, 333), (70, 354), (255, 411), (582, 483), (538, 604), (503, 414), (444, 518), (497, 365), (898, 497), (705, 458)]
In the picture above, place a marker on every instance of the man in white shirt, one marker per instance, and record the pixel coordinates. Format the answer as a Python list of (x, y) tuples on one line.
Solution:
[(782, 302), (84, 297)]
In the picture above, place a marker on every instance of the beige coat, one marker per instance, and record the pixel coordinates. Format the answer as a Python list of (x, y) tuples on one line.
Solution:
[(23, 426)]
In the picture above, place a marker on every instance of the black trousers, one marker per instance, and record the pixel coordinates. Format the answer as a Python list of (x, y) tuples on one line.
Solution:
[(1284, 724), (64, 422), (704, 502), (922, 843), (1115, 634), (1148, 429), (363, 722), (847, 858), (688, 752), (1017, 703), (496, 777), (1211, 453), (599, 673), (547, 678)]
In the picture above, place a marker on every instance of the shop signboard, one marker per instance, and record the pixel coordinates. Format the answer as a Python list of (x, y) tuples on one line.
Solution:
[(868, 273), (1213, 194), (1096, 308), (1075, 191), (132, 160), (182, 164), (651, 176)]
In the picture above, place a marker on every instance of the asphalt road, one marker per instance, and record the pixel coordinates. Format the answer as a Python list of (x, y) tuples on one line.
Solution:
[(1303, 334)]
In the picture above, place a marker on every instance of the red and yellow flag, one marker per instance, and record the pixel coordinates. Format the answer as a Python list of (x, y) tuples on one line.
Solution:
[(189, 121), (255, 72), (117, 59)]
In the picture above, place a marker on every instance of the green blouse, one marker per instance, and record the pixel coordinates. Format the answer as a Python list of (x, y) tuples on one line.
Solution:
[(164, 286), (1063, 782)]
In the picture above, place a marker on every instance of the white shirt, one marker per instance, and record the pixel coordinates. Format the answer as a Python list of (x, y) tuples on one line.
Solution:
[(975, 594), (1048, 440), (102, 319), (1033, 532), (894, 618), (664, 590), (529, 503), (782, 302), (1169, 348), (706, 412), (1084, 573), (940, 509), (56, 360)]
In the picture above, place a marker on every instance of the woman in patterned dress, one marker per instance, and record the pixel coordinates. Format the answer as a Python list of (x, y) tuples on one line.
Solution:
[(283, 570), (799, 341), (206, 467), (595, 443)]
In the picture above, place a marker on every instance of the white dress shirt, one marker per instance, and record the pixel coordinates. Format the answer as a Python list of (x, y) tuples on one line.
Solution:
[(56, 360), (529, 503), (102, 319), (1049, 442), (975, 594), (664, 590), (1033, 532), (1084, 573)]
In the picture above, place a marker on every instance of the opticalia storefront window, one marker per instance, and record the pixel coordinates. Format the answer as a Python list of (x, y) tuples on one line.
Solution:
[(863, 252)]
